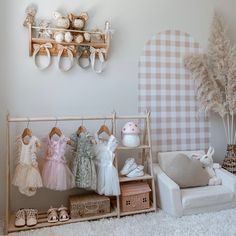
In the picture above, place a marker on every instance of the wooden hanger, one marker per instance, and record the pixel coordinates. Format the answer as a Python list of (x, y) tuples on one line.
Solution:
[(81, 129), (26, 133), (54, 131), (104, 129)]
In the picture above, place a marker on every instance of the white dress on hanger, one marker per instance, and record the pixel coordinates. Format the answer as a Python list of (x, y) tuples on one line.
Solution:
[(27, 176), (107, 175)]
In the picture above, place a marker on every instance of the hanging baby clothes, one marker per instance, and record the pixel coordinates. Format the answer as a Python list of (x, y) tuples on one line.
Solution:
[(27, 176), (83, 161), (107, 175), (56, 174)]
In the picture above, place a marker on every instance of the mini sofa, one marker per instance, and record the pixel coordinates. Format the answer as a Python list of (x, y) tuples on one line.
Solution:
[(178, 202)]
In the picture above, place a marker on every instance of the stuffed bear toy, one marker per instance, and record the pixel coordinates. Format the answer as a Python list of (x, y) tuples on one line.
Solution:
[(78, 23), (62, 22)]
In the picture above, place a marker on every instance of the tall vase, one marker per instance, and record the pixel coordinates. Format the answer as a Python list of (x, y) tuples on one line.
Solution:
[(229, 162)]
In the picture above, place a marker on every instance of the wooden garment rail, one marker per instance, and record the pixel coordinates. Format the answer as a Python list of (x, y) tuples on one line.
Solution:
[(146, 145), (66, 118)]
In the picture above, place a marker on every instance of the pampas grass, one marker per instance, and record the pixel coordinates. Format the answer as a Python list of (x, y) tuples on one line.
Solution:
[(214, 75)]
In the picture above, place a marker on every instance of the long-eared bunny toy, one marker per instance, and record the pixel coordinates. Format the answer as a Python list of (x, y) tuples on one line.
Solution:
[(207, 163)]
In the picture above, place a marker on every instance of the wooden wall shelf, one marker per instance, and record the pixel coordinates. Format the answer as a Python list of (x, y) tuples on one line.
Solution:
[(103, 43)]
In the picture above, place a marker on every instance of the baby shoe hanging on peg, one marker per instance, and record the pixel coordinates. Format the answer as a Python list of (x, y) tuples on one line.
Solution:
[(68, 37), (59, 37), (87, 36), (79, 38)]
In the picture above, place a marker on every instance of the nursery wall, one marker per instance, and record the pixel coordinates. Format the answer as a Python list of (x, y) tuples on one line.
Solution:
[(3, 105), (26, 91)]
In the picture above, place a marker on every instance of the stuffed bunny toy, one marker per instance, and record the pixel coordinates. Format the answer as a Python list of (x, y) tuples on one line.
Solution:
[(207, 163), (30, 11)]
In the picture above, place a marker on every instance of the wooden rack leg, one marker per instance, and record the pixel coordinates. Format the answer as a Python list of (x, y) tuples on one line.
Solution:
[(144, 139), (7, 189), (151, 162), (116, 163)]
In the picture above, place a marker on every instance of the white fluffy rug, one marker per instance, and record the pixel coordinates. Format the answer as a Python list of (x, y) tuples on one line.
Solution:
[(221, 223)]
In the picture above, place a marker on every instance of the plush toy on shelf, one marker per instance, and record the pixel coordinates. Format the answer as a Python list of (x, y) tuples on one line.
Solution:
[(44, 29), (30, 11), (61, 22), (130, 134), (78, 23)]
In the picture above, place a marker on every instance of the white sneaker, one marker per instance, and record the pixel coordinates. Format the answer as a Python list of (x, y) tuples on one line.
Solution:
[(137, 172), (31, 217), (129, 165), (20, 218)]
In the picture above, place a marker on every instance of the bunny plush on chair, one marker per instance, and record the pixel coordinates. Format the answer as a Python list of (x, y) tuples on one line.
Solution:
[(207, 163)]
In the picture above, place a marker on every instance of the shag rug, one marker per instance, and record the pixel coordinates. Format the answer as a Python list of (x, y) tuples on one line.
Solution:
[(222, 223)]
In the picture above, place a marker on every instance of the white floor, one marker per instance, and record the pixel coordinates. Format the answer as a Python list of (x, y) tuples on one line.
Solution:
[(221, 223)]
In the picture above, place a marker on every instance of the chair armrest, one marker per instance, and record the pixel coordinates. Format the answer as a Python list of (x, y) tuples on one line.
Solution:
[(228, 179), (168, 192)]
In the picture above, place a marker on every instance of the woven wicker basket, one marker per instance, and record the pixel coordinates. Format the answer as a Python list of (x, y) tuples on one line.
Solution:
[(88, 205), (229, 162)]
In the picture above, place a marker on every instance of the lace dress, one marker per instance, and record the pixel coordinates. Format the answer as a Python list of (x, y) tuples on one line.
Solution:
[(83, 161), (27, 176), (56, 173), (107, 175)]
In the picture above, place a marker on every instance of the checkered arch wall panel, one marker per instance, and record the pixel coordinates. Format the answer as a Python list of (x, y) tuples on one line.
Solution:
[(166, 89)]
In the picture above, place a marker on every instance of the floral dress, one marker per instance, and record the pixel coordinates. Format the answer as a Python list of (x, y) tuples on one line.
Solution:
[(83, 161)]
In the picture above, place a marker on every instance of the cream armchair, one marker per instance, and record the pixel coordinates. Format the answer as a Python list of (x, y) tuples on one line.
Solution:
[(178, 202)]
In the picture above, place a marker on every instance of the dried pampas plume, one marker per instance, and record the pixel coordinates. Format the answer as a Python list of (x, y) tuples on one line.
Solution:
[(207, 92), (214, 76)]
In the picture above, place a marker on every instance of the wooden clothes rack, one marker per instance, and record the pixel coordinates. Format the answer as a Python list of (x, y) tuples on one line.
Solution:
[(116, 211)]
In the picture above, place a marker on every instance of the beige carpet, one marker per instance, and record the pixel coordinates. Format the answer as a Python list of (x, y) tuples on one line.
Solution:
[(221, 223)]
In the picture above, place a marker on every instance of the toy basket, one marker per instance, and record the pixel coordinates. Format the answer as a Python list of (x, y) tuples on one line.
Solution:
[(229, 162)]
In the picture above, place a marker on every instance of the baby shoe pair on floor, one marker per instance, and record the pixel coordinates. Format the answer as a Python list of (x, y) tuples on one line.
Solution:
[(60, 214), (26, 217), (131, 169)]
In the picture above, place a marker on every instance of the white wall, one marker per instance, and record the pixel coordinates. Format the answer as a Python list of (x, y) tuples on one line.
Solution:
[(30, 92), (3, 105)]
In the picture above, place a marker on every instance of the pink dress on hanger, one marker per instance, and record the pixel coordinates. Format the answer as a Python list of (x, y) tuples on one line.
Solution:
[(56, 173)]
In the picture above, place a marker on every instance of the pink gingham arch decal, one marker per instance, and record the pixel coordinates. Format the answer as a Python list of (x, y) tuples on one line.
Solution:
[(166, 89)]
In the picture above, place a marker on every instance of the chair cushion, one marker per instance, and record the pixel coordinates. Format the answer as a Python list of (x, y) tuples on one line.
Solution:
[(186, 172), (165, 158), (205, 196)]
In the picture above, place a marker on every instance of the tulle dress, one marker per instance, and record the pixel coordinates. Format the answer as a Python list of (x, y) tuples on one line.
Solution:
[(107, 175), (27, 176), (56, 173)]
